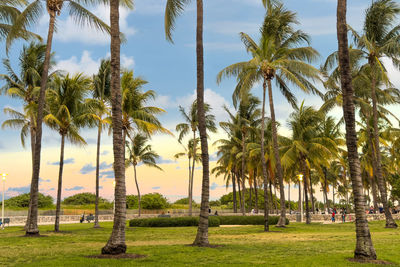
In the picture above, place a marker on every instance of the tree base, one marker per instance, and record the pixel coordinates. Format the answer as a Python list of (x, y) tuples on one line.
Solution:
[(96, 226), (113, 249), (33, 233), (391, 225)]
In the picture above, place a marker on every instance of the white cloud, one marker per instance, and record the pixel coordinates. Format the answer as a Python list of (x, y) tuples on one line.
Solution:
[(69, 31), (87, 64)]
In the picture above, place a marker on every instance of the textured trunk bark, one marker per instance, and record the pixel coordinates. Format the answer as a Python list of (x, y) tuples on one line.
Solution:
[(263, 163), (272, 197), (312, 195), (240, 193), (390, 223), (255, 192), (333, 195), (234, 193), (325, 189), (202, 230), (290, 208), (192, 176), (33, 136), (364, 247), (304, 169), (374, 194), (299, 205), (279, 172), (138, 191), (96, 212), (250, 196), (59, 188), (116, 243), (243, 172), (31, 224)]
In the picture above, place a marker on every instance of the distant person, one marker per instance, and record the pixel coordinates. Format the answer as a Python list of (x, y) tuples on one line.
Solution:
[(333, 216), (317, 211), (343, 215), (380, 209), (209, 210), (252, 211), (216, 213), (82, 218)]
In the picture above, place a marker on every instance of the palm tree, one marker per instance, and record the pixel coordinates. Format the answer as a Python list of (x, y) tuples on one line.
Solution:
[(65, 111), (364, 247), (140, 152), (173, 9), (276, 56), (116, 242), (31, 14), (101, 114), (380, 40), (189, 153), (9, 12), (192, 124)]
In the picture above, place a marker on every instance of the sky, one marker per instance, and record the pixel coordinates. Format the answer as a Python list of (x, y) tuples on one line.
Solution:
[(170, 71)]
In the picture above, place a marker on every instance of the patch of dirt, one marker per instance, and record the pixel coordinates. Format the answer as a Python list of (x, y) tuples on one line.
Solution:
[(117, 256), (34, 236), (381, 262)]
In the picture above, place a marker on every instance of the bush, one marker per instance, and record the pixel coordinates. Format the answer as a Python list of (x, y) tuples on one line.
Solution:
[(248, 220), (172, 222), (215, 203), (184, 201), (83, 199), (132, 202), (154, 201), (22, 201)]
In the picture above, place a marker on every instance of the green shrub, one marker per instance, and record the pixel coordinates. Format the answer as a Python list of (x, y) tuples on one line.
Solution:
[(154, 201), (172, 222), (184, 201), (132, 202), (215, 203), (248, 220), (22, 201), (83, 199)]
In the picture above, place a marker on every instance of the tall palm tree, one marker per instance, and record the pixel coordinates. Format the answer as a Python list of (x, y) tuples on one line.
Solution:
[(276, 56), (65, 112), (140, 152), (173, 9), (116, 242), (31, 14), (380, 39), (364, 247), (101, 115), (192, 124)]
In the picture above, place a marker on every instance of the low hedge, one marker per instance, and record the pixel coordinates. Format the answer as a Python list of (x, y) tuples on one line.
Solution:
[(213, 221), (248, 220)]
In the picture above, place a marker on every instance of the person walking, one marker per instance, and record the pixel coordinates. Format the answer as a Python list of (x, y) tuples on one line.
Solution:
[(333, 216)]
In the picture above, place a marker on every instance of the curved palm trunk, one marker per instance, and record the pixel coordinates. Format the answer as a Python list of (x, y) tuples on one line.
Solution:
[(390, 223), (234, 193), (279, 172), (192, 176), (243, 172), (255, 192), (374, 194), (374, 167), (263, 162), (364, 247), (325, 188), (304, 169), (202, 230), (250, 196), (312, 195), (190, 179), (33, 136), (116, 243), (31, 224), (96, 211), (290, 208), (138, 191), (271, 197), (240, 193), (59, 188)]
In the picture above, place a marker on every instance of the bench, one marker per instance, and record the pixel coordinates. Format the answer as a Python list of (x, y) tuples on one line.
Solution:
[(164, 216), (89, 218), (6, 221)]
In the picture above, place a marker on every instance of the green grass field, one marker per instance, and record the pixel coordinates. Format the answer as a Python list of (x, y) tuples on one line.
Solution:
[(297, 245)]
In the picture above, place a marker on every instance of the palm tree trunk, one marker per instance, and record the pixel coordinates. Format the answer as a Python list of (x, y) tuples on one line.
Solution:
[(240, 193), (243, 197), (333, 195), (272, 196), (33, 136), (263, 162), (278, 166), (255, 192), (311, 195), (96, 212), (59, 188), (390, 223), (299, 204), (325, 188), (364, 247), (31, 224), (202, 230), (374, 194), (116, 243), (290, 208), (138, 191), (191, 178), (234, 193), (243, 171), (250, 196), (304, 169)]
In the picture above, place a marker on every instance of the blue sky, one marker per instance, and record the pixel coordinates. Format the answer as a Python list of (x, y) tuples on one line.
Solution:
[(170, 70)]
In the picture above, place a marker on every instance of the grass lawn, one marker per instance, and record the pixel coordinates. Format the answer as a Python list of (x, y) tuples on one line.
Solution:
[(297, 245)]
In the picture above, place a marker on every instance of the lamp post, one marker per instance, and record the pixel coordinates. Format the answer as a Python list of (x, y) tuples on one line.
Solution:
[(2, 203), (114, 198), (301, 200)]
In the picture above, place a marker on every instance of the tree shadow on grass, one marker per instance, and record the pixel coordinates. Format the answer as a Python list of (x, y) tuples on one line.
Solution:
[(364, 261), (117, 256)]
